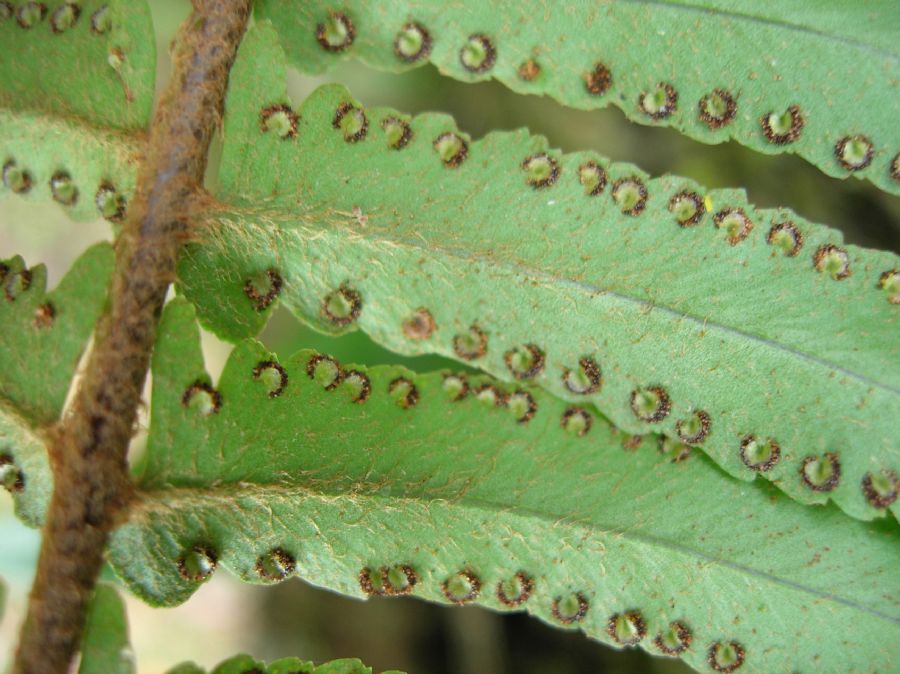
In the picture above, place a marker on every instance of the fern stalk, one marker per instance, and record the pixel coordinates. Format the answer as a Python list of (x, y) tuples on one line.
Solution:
[(88, 453)]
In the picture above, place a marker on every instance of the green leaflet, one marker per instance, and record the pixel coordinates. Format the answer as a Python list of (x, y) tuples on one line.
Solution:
[(429, 488), (660, 61), (88, 171), (781, 358), (808, 425), (95, 59), (105, 648), (44, 336), (46, 332), (243, 664), (24, 467), (187, 668)]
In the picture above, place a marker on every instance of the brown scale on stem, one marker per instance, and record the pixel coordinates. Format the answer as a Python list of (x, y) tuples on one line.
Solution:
[(92, 489)]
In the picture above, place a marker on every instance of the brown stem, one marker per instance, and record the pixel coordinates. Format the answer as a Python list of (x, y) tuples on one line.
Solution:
[(88, 452)]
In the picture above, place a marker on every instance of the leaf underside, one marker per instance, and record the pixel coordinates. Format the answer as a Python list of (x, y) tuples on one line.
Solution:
[(98, 164), (105, 648), (716, 322), (76, 91), (838, 63), (241, 664), (450, 499), (44, 336), (715, 325), (458, 494), (99, 65)]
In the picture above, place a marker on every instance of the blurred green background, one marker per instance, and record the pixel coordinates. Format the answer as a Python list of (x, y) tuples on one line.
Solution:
[(294, 618)]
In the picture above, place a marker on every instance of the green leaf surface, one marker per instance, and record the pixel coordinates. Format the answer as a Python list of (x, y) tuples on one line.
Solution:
[(244, 664), (105, 648), (428, 489), (187, 668), (837, 61), (95, 59), (24, 467), (45, 334), (778, 355), (89, 172)]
